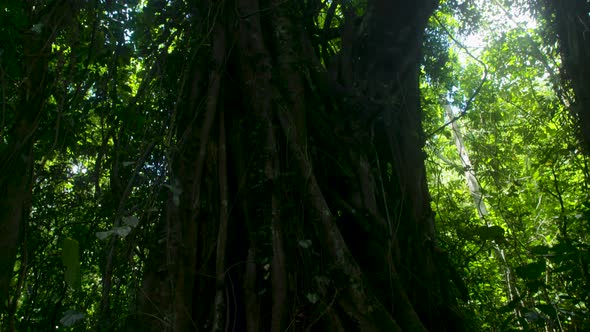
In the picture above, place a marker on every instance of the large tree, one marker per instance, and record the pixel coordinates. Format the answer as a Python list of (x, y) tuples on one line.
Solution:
[(297, 185), (257, 165), (284, 143)]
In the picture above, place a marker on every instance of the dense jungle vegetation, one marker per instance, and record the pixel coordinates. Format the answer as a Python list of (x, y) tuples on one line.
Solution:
[(294, 165)]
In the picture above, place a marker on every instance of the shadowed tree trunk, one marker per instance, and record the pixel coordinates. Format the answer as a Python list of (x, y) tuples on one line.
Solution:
[(571, 22), (298, 197)]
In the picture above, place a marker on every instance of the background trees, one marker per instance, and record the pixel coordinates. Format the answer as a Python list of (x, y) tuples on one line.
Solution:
[(258, 165), (524, 260)]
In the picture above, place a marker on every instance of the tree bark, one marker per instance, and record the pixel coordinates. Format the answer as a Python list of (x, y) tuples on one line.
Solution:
[(572, 25), (334, 229)]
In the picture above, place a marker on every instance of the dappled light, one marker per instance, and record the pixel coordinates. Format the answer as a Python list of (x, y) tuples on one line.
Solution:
[(282, 165)]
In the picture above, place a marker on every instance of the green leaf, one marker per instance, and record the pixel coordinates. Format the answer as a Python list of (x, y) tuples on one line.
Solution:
[(70, 254), (103, 235), (531, 271), (132, 221), (547, 309), (176, 190), (312, 298), (126, 88), (122, 231), (535, 285), (540, 250), (565, 267), (490, 233), (531, 316), (305, 244), (71, 317)]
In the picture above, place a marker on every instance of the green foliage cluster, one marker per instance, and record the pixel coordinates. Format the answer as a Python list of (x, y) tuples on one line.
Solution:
[(525, 261), (92, 196)]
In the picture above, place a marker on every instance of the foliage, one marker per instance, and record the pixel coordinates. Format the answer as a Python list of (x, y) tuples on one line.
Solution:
[(125, 99), (125, 129), (533, 175)]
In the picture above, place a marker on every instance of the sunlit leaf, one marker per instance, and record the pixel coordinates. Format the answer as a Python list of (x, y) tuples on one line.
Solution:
[(122, 231), (305, 244), (71, 260), (132, 221), (103, 235), (71, 317)]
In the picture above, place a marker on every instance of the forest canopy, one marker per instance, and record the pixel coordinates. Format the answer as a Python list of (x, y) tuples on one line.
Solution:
[(294, 165)]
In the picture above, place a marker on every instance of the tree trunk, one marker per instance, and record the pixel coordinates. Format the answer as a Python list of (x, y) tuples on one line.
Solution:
[(572, 25), (298, 197)]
